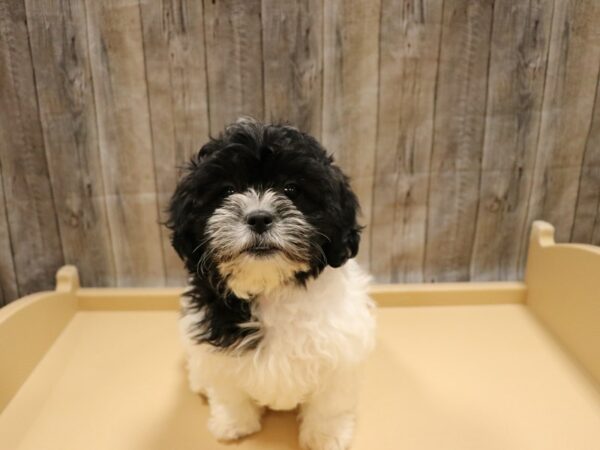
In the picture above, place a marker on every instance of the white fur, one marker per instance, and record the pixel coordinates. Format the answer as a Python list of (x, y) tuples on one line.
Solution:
[(313, 341)]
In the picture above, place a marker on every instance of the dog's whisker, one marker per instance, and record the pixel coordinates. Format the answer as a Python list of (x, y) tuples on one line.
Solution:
[(327, 238)]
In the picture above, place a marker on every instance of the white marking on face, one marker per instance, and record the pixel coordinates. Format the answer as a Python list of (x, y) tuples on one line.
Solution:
[(230, 238)]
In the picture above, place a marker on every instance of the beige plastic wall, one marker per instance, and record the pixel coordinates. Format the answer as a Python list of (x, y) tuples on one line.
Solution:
[(29, 327), (563, 290)]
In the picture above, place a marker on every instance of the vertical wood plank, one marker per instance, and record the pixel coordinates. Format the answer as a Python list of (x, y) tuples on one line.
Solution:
[(124, 133), (29, 202), (8, 279), (409, 42), (293, 62), (350, 89), (176, 73), (58, 35), (518, 60), (458, 139), (586, 227), (234, 60), (572, 74)]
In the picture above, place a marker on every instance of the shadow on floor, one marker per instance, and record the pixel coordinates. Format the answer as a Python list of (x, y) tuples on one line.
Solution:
[(183, 427)]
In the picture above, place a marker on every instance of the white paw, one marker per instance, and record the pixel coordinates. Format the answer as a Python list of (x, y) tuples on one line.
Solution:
[(334, 433), (226, 428), (194, 377)]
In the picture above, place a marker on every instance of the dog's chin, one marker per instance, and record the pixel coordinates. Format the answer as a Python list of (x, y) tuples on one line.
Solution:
[(262, 251), (259, 271)]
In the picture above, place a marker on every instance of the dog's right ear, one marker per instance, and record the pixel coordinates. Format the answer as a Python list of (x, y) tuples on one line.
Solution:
[(181, 219), (182, 209)]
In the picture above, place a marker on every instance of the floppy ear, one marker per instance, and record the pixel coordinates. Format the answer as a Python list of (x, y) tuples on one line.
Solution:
[(183, 206), (346, 238), (181, 219), (182, 210)]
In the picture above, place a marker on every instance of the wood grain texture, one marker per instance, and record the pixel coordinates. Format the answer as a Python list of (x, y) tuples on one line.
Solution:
[(293, 62), (124, 134), (518, 55), (572, 75), (586, 226), (350, 90), (176, 73), (459, 123), (458, 139), (27, 191), (409, 47), (234, 60), (58, 35), (8, 279)]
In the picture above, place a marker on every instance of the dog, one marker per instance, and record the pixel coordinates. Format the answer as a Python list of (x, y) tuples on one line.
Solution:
[(278, 313)]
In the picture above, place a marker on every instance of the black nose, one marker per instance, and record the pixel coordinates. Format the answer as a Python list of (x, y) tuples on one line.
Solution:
[(259, 221)]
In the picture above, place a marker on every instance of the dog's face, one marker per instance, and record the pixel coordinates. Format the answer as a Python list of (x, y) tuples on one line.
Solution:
[(261, 206)]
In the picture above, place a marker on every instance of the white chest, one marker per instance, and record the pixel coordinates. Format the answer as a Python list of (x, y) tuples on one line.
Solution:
[(308, 334)]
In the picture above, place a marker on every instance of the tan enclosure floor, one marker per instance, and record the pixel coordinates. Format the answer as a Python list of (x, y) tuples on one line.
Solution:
[(443, 378)]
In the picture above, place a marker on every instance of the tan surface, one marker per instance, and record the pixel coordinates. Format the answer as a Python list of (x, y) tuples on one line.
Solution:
[(470, 377), (485, 375), (445, 294), (34, 322), (563, 282), (439, 294)]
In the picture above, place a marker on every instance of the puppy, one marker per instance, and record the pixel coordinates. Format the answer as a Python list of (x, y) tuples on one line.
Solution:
[(278, 314)]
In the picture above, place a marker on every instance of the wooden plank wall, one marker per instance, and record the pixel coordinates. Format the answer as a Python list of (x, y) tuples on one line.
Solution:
[(460, 122)]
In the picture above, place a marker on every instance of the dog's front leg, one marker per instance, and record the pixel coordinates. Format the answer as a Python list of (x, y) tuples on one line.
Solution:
[(233, 414), (328, 416)]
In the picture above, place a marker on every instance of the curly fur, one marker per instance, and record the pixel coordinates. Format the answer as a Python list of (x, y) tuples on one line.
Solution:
[(276, 318)]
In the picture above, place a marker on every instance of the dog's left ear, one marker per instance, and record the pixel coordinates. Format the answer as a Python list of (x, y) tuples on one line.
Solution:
[(346, 238)]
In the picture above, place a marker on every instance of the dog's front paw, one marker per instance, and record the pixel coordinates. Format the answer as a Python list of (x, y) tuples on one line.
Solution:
[(226, 427), (333, 433), (194, 376)]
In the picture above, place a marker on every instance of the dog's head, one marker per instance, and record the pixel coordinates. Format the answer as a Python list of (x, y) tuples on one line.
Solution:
[(261, 206)]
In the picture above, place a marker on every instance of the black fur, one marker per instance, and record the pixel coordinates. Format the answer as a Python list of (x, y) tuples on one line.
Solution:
[(250, 154)]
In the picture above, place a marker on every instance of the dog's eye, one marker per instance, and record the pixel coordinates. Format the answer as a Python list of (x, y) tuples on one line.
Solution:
[(229, 190), (291, 190)]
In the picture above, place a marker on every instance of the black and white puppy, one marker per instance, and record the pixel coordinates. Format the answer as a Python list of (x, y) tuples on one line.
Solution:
[(278, 314)]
